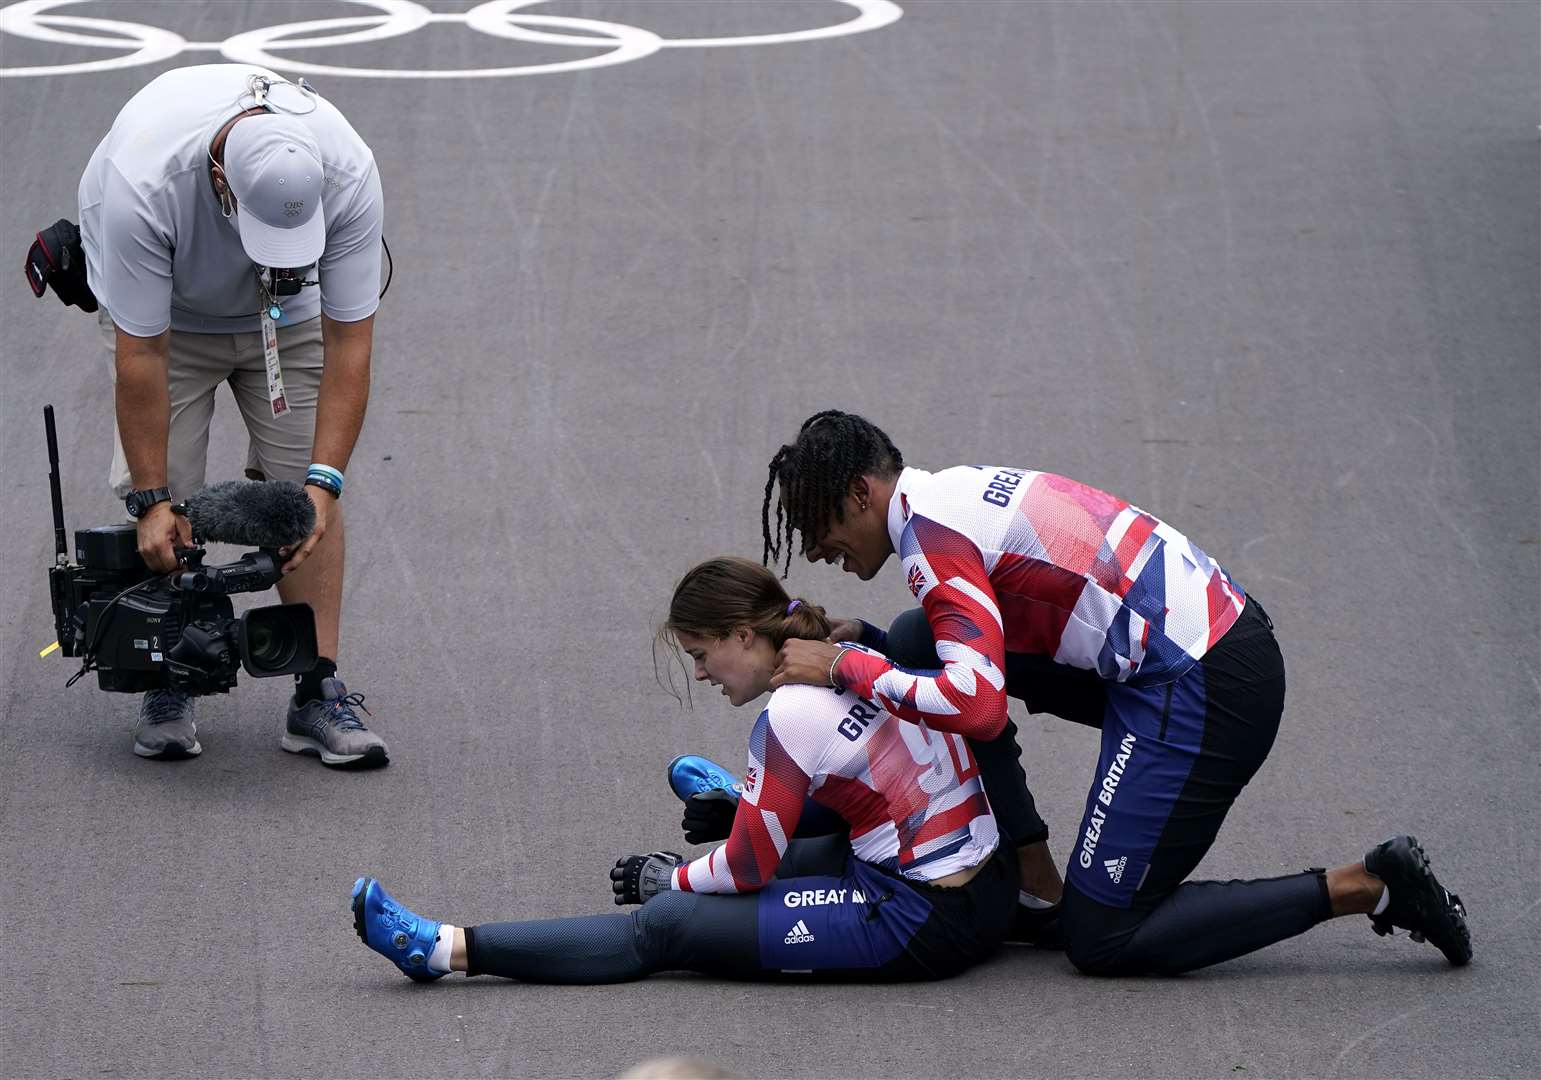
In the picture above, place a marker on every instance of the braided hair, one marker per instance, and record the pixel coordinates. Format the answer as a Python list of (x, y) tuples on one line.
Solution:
[(832, 449)]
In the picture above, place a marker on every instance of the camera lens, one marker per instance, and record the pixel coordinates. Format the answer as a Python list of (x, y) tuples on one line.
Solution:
[(270, 646), (278, 640)]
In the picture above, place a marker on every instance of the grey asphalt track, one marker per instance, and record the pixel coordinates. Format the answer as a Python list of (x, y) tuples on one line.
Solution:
[(1267, 270)]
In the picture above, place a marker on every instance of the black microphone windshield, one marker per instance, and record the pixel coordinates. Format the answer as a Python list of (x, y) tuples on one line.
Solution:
[(252, 513)]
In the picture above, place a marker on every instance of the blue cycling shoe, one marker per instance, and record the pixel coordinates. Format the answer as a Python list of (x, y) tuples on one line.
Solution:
[(403, 938), (690, 775)]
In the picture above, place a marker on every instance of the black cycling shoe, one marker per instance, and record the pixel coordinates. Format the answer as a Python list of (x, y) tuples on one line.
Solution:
[(1038, 927), (1418, 902)]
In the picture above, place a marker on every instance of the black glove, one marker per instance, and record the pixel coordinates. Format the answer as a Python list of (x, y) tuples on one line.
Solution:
[(638, 877), (709, 816)]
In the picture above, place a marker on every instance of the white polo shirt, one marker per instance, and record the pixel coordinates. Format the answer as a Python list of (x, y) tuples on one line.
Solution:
[(159, 251)]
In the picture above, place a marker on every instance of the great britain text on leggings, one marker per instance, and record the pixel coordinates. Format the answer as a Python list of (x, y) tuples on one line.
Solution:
[(1110, 781), (819, 897)]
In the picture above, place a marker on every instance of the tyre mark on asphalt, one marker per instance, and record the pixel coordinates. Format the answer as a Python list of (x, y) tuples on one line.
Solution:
[(1212, 145), (1369, 1033), (1212, 386), (1430, 497)]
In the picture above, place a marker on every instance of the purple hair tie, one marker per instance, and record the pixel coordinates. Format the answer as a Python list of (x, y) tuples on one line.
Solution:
[(792, 605)]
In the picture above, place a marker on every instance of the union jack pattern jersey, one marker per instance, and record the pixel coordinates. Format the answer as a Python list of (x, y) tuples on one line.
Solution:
[(913, 796), (1012, 560)]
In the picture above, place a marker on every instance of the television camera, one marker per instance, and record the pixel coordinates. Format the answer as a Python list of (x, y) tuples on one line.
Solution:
[(143, 631)]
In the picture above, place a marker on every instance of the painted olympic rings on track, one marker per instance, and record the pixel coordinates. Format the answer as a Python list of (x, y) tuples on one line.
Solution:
[(36, 19)]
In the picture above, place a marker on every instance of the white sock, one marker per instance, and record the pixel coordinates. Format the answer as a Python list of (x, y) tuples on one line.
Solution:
[(1385, 899), (1036, 903), (443, 945)]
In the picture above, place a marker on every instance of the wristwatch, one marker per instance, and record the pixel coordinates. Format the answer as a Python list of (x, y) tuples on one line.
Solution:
[(139, 502)]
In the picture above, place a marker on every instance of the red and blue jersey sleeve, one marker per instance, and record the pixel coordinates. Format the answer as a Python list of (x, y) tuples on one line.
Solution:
[(775, 786), (947, 574)]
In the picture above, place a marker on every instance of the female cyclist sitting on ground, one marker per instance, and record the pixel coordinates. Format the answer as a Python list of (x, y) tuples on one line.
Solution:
[(918, 888)]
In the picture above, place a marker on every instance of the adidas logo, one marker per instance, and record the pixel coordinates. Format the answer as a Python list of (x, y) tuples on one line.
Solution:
[(799, 934), (1115, 867)]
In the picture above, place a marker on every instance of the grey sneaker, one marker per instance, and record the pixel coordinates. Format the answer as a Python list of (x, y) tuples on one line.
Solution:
[(165, 729), (330, 729)]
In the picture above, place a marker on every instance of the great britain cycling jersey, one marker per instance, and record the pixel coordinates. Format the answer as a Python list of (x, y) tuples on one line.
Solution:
[(1013, 560), (912, 796)]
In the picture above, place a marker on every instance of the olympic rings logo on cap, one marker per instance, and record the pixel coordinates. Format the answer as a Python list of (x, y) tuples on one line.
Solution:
[(35, 19)]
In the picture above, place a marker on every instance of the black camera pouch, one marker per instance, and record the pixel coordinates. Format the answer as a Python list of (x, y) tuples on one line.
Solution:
[(57, 258)]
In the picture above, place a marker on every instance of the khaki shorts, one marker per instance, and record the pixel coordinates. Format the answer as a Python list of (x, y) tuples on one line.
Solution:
[(280, 448)]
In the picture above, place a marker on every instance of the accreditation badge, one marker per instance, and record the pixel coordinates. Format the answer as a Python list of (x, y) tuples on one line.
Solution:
[(276, 400)]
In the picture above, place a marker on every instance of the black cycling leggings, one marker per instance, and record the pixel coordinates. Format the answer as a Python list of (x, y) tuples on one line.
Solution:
[(826, 914)]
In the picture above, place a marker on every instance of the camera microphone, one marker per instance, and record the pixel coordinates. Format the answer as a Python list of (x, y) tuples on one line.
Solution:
[(251, 513)]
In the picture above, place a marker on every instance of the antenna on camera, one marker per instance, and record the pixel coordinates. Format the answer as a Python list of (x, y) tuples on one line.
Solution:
[(61, 546)]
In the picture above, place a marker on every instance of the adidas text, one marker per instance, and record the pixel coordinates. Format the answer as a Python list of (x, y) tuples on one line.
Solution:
[(799, 934)]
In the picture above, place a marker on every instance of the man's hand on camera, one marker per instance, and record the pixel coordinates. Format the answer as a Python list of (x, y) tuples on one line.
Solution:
[(298, 553), (161, 532)]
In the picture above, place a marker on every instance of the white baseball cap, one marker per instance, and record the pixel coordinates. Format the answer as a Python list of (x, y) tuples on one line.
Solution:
[(273, 167)]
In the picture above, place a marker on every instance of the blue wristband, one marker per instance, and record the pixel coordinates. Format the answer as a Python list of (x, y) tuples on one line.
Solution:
[(324, 476)]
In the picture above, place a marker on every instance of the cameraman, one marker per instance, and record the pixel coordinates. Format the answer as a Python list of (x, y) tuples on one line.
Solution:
[(232, 228)]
